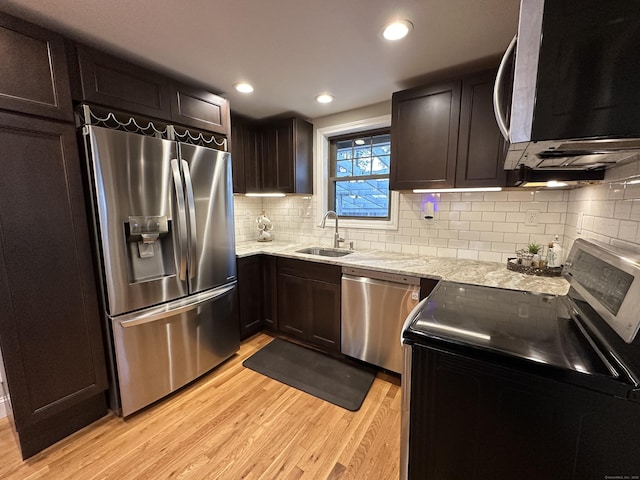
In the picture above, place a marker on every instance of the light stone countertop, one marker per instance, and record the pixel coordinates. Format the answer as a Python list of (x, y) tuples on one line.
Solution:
[(490, 274)]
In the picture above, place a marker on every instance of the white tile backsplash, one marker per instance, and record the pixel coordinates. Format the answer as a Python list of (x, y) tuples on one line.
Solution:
[(480, 226)]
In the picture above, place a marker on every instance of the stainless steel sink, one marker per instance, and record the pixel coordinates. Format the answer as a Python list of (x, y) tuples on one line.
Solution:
[(324, 252)]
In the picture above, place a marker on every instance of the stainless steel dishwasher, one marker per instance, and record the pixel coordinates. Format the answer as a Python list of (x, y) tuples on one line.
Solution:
[(374, 307)]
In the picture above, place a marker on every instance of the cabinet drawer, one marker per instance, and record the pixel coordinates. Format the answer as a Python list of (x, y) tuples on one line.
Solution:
[(310, 270)]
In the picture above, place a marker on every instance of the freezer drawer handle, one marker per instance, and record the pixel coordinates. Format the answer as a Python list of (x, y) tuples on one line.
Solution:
[(167, 311), (192, 218), (182, 221)]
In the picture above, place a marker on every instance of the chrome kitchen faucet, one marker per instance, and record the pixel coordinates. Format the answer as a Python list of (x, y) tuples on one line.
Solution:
[(336, 236)]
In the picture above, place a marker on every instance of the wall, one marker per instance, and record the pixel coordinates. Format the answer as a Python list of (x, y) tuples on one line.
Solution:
[(611, 211), (480, 226)]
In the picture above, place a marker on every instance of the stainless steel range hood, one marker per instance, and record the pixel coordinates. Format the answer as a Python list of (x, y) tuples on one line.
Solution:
[(566, 96)]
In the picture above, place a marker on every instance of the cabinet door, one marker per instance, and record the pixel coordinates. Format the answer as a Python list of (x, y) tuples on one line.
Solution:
[(424, 137), (270, 292), (34, 77), (237, 144), (50, 327), (324, 314), (293, 307), (116, 83), (250, 294), (200, 109), (269, 157), (481, 147)]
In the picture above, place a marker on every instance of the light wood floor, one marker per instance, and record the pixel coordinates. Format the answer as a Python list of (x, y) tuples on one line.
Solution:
[(232, 424)]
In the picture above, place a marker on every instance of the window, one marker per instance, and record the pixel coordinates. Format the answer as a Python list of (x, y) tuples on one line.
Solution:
[(359, 174)]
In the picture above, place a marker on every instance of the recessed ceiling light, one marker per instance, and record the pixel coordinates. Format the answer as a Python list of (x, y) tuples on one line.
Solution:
[(397, 30), (243, 87), (324, 98)]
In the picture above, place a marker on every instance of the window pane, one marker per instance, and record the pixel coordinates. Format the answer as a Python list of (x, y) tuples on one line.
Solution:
[(362, 198), (344, 168), (380, 165), (362, 166)]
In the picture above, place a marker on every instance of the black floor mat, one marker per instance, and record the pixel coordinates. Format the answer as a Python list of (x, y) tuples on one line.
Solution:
[(312, 372)]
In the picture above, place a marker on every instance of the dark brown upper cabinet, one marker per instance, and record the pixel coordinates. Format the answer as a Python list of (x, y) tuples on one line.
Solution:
[(481, 147), (112, 82), (198, 108), (272, 156), (287, 157), (34, 77), (446, 136), (424, 136)]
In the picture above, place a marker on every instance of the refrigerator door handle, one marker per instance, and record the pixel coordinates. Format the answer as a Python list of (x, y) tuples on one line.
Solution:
[(181, 217), (173, 308), (192, 218)]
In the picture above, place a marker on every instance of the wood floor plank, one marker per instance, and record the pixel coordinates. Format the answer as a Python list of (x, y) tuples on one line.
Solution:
[(231, 424)]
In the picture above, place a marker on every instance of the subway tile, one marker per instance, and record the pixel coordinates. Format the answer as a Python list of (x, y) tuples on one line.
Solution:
[(531, 229), (491, 236), (412, 249), (393, 247), (631, 191), (372, 237), (490, 257), (616, 191), (448, 215), (481, 226), (622, 210), (447, 234), (430, 251), (587, 222), (494, 217), (447, 252), (549, 217), (461, 206), (443, 207), (419, 241), (622, 171), (505, 227), (473, 197), (450, 197), (474, 245), (520, 196), (429, 233), (517, 237), (496, 196), (628, 231), (539, 206), (468, 235), (377, 246), (559, 207), (468, 254), (471, 216), (461, 225), (483, 206), (554, 229), (438, 242), (548, 196), (458, 244), (406, 232), (507, 206), (634, 213), (514, 217), (606, 226), (503, 247)]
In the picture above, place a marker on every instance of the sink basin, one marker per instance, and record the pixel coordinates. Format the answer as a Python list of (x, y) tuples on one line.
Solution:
[(324, 252)]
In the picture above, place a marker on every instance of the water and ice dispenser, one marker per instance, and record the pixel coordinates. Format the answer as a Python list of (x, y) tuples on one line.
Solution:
[(150, 248)]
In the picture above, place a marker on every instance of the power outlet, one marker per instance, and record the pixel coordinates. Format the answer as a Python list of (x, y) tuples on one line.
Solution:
[(531, 218), (579, 223)]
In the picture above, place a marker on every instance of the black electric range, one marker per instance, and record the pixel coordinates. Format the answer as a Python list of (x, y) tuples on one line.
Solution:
[(489, 350)]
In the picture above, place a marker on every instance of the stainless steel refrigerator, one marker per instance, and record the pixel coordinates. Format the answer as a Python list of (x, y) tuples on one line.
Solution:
[(165, 236)]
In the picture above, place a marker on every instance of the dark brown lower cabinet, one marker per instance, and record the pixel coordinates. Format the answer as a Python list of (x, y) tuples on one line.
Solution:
[(471, 419), (309, 302), (50, 332), (256, 291)]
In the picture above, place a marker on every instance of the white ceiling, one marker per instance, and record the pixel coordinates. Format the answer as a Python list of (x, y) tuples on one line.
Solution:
[(290, 50)]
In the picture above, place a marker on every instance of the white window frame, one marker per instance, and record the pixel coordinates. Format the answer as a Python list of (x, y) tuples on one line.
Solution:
[(322, 174)]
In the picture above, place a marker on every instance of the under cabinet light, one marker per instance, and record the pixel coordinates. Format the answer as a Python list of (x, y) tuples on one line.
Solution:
[(264, 195), (457, 190)]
